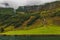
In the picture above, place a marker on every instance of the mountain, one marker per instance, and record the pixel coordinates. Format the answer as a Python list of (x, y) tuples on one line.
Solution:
[(29, 17), (6, 10), (47, 6)]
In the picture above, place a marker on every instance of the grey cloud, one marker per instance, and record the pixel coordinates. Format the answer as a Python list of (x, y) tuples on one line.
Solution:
[(16, 3)]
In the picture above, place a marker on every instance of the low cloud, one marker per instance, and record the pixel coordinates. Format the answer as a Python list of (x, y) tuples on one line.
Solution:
[(16, 3)]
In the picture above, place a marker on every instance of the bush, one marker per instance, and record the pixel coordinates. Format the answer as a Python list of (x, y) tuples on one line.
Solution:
[(56, 14)]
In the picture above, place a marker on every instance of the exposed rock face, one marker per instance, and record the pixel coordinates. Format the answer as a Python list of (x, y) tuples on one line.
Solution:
[(47, 6)]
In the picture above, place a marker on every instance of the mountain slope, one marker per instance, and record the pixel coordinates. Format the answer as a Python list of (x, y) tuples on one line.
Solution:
[(30, 17)]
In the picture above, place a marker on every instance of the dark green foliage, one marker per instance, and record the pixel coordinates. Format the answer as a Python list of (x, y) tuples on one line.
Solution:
[(1, 29), (21, 20), (8, 17), (16, 25), (20, 9), (33, 20), (36, 16), (6, 11), (56, 14), (7, 20)]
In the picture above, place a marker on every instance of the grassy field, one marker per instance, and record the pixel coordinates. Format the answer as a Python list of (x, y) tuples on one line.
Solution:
[(55, 30)]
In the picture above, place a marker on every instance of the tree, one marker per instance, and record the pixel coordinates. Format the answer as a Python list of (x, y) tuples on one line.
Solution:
[(1, 29)]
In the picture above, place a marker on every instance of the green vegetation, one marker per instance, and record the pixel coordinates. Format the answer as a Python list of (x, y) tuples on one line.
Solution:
[(54, 30), (6, 11), (36, 18)]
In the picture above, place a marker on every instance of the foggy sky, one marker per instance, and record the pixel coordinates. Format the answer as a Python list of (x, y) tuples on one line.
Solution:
[(16, 3)]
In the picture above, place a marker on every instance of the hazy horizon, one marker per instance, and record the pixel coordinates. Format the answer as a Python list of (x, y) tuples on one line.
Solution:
[(16, 3)]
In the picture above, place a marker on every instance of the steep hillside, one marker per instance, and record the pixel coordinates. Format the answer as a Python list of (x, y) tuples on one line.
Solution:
[(29, 17)]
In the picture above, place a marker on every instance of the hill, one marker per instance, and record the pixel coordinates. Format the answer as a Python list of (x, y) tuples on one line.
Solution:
[(30, 17)]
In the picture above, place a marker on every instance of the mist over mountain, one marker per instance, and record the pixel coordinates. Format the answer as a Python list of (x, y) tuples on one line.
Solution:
[(16, 3), (29, 16)]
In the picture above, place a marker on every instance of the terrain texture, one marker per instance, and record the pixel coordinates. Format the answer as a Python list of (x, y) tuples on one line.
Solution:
[(36, 19)]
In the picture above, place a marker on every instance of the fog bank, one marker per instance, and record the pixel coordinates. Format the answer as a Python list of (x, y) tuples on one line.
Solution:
[(16, 3)]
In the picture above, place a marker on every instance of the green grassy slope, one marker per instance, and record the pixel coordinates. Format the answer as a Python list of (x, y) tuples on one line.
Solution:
[(45, 20), (46, 30)]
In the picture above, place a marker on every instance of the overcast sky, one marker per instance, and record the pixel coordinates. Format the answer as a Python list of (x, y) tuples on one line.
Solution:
[(16, 3)]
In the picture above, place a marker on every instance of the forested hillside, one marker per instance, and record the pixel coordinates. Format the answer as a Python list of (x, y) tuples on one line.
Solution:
[(29, 17)]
